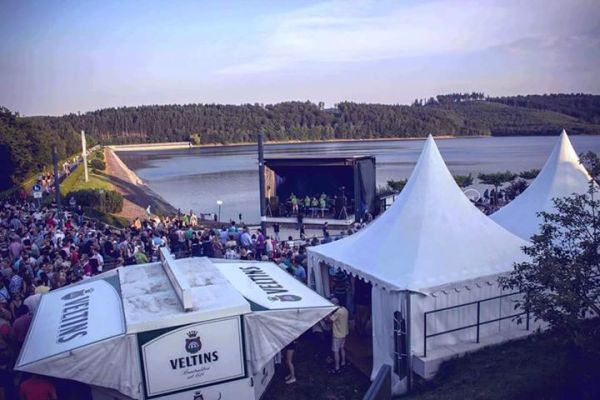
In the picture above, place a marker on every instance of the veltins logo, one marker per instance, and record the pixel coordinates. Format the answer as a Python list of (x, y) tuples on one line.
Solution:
[(193, 344), (77, 293), (199, 396), (74, 316), (285, 297)]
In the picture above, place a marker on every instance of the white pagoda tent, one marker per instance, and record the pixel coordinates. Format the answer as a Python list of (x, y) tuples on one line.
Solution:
[(430, 250), (561, 176)]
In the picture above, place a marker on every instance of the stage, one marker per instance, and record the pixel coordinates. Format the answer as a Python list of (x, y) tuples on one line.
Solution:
[(338, 190), (311, 222)]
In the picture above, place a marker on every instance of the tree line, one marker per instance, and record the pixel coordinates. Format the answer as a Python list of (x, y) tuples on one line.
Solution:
[(26, 147), (25, 142), (454, 114)]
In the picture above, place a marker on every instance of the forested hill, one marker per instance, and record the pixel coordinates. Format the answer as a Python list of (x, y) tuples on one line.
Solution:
[(455, 114), (25, 142), (26, 148)]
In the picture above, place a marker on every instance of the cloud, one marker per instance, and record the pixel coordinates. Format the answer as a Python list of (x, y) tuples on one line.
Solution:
[(349, 32)]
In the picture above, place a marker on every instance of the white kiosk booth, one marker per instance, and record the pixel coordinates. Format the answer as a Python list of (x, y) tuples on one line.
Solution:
[(175, 329)]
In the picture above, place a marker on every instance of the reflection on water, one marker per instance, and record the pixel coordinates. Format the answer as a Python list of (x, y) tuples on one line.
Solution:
[(197, 178)]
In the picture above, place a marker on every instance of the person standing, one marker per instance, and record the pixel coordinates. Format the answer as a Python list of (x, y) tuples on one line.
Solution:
[(339, 329), (260, 244), (299, 221), (289, 361), (294, 202)]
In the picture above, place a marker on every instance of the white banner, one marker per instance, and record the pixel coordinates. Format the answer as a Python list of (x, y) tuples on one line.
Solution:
[(73, 317), (195, 355), (269, 287)]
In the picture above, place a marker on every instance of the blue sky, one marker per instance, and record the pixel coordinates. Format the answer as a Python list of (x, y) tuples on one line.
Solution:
[(58, 57)]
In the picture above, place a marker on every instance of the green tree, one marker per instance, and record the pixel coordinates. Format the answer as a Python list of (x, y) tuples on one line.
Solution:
[(496, 179), (516, 187), (530, 174), (98, 164), (561, 281), (463, 180), (397, 186)]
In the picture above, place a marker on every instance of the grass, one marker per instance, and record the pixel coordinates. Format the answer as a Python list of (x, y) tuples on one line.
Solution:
[(313, 380), (543, 366), (76, 181)]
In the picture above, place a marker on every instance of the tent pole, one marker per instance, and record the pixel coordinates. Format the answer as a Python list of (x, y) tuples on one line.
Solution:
[(408, 341), (261, 183)]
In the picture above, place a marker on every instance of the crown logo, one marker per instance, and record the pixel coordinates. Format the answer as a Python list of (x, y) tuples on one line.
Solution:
[(193, 344)]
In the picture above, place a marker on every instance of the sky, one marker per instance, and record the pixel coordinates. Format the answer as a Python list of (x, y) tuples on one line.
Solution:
[(60, 57)]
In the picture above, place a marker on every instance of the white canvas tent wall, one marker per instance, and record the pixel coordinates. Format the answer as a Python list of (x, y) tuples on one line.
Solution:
[(561, 176), (144, 299), (283, 308), (431, 242)]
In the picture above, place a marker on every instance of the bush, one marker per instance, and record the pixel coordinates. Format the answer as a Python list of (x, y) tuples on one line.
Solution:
[(109, 201), (98, 164), (99, 155), (113, 220)]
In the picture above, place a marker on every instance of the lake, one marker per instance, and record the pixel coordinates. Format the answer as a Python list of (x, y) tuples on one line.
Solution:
[(196, 178)]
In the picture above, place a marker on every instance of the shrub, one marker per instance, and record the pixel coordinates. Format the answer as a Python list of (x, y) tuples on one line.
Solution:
[(98, 164), (109, 201), (99, 155)]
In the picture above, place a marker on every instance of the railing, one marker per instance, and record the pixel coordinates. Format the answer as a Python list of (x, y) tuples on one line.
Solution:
[(475, 325), (381, 388)]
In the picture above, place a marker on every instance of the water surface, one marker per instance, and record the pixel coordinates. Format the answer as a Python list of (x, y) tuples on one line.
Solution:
[(197, 178)]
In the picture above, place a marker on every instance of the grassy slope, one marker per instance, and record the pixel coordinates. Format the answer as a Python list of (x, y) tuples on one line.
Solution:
[(76, 181), (539, 367)]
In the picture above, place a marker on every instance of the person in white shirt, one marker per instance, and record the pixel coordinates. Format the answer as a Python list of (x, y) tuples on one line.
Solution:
[(100, 259)]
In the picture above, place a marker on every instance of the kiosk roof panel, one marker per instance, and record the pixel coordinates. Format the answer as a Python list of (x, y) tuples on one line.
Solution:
[(150, 301)]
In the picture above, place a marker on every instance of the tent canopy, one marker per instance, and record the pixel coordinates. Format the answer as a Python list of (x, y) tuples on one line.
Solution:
[(95, 322), (431, 236), (561, 176)]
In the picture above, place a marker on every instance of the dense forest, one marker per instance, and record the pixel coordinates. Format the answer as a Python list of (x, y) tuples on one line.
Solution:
[(454, 114), (458, 114), (26, 148)]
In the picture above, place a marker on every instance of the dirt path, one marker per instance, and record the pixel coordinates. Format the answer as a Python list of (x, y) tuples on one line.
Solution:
[(136, 195)]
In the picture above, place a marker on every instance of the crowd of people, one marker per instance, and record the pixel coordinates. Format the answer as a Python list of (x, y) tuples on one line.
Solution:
[(42, 249)]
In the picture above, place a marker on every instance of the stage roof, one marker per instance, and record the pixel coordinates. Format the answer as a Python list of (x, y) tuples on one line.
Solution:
[(431, 237), (561, 176)]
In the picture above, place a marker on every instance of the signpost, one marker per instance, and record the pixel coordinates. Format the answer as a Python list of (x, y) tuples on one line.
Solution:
[(37, 194)]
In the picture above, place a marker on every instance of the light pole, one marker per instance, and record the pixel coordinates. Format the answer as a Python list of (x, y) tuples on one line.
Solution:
[(219, 203)]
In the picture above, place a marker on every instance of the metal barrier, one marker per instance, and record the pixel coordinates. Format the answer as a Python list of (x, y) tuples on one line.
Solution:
[(381, 388), (475, 325)]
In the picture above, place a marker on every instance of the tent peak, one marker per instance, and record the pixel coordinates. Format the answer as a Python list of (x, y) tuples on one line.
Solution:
[(414, 244), (561, 176)]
